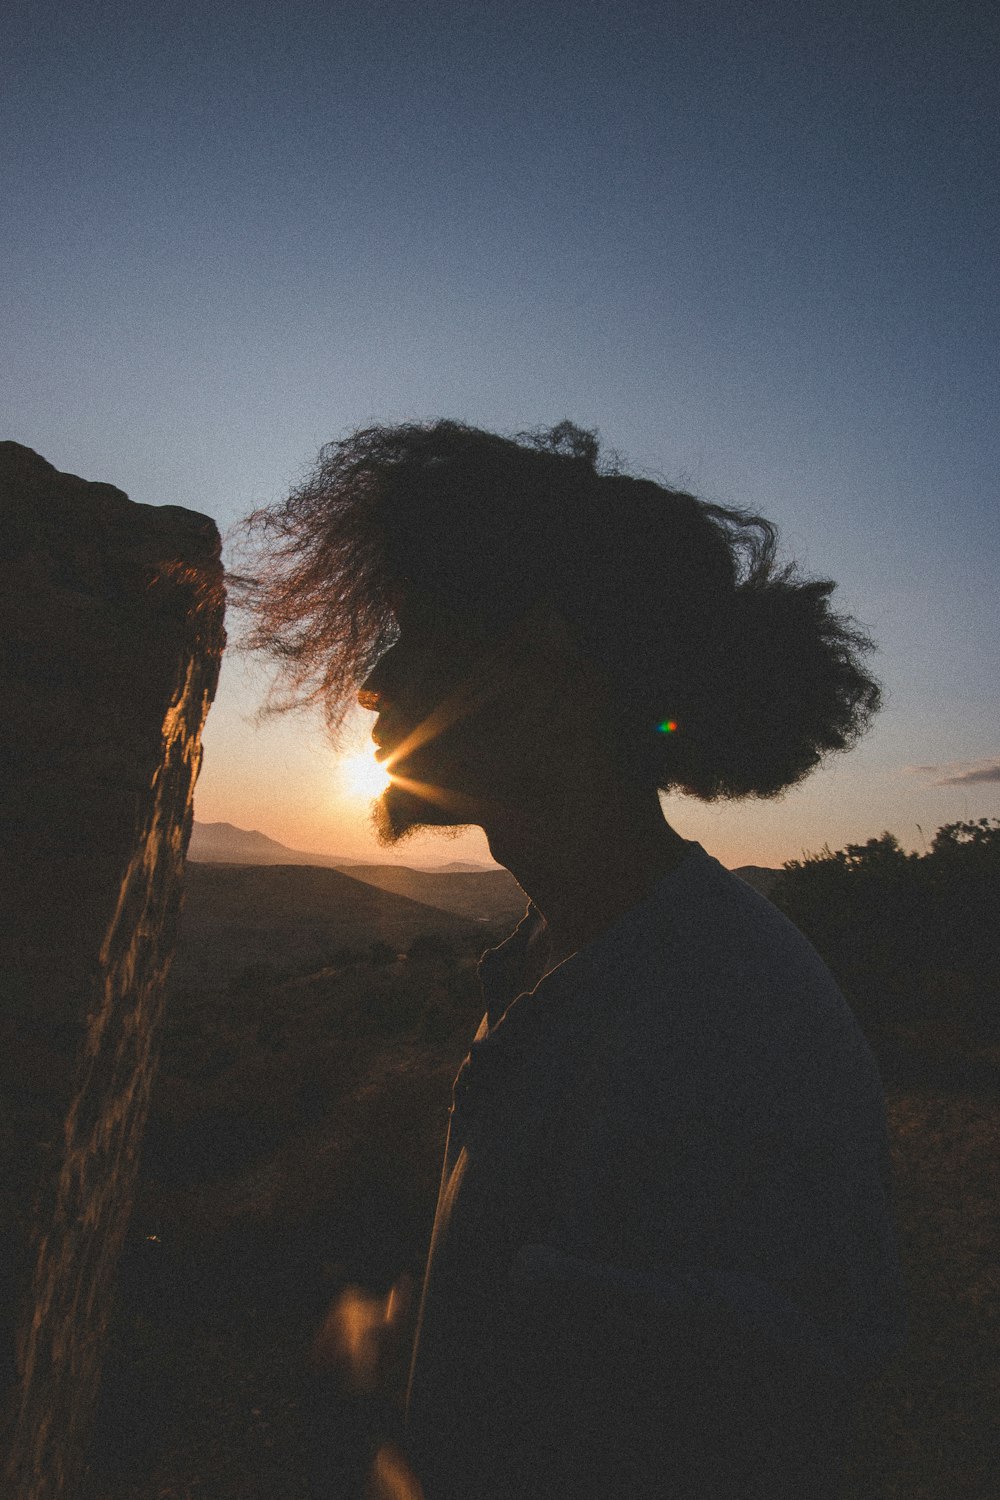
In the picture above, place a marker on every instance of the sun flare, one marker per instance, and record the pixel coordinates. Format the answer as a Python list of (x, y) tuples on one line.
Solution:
[(363, 776)]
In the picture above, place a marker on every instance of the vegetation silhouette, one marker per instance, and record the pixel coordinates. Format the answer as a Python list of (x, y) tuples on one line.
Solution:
[(912, 938)]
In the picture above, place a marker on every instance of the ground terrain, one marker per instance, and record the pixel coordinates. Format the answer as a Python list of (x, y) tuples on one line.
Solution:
[(293, 1149)]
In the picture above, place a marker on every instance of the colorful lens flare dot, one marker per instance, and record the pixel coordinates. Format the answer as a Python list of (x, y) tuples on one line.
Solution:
[(666, 726)]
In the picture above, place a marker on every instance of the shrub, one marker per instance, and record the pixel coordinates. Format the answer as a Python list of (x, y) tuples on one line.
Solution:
[(890, 924)]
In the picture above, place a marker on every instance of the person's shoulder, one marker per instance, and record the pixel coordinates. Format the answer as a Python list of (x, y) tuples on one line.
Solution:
[(716, 976), (705, 925)]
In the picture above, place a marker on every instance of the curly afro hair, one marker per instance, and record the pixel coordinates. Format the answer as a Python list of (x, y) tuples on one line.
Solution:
[(733, 675)]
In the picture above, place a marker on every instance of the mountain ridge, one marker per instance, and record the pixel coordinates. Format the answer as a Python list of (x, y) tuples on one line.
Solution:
[(226, 844)]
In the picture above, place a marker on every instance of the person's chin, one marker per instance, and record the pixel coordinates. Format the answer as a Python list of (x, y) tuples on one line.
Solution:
[(398, 813)]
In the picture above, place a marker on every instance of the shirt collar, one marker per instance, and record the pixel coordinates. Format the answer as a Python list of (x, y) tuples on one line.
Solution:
[(554, 1021), (501, 969)]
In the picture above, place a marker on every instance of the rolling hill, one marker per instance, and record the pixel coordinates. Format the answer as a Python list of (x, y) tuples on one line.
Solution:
[(252, 900), (761, 877), (294, 916), (225, 844), (478, 895)]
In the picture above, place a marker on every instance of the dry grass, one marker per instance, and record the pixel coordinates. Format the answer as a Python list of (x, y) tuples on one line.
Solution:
[(930, 1431), (341, 1095)]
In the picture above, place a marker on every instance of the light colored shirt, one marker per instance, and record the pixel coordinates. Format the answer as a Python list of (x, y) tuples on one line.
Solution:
[(664, 1206)]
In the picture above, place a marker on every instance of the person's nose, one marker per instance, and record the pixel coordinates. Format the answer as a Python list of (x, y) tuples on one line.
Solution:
[(372, 694)]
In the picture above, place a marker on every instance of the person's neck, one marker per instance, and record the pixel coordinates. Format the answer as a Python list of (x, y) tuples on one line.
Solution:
[(585, 865)]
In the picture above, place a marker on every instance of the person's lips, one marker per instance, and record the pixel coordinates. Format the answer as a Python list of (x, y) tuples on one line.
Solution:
[(384, 742)]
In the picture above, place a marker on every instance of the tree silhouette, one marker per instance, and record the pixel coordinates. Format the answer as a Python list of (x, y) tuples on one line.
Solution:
[(910, 937)]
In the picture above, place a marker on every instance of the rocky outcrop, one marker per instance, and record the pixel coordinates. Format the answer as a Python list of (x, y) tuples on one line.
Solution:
[(111, 636)]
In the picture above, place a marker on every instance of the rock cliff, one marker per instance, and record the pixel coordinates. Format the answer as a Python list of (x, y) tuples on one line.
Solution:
[(110, 641)]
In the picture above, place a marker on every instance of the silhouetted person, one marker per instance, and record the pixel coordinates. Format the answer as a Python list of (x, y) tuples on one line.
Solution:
[(662, 1262)]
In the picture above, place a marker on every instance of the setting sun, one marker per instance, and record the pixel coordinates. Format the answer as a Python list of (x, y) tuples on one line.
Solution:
[(363, 776)]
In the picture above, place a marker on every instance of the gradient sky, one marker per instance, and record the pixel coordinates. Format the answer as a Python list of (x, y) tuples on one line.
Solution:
[(754, 245)]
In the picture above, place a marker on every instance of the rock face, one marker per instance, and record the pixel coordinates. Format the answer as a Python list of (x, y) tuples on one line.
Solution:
[(111, 636)]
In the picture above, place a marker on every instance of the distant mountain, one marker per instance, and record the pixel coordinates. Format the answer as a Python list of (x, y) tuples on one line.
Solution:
[(759, 876), (225, 844), (483, 891)]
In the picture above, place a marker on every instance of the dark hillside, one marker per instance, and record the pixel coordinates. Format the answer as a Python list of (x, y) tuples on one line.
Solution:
[(294, 916), (479, 896), (293, 1149), (759, 876)]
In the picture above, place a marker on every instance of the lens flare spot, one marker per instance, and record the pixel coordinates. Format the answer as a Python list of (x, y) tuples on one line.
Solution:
[(363, 776), (666, 726)]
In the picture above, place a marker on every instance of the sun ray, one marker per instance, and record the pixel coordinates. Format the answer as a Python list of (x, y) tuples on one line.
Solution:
[(472, 808), (471, 694)]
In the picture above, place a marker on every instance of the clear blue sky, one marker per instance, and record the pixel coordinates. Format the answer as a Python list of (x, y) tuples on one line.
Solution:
[(755, 245)]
